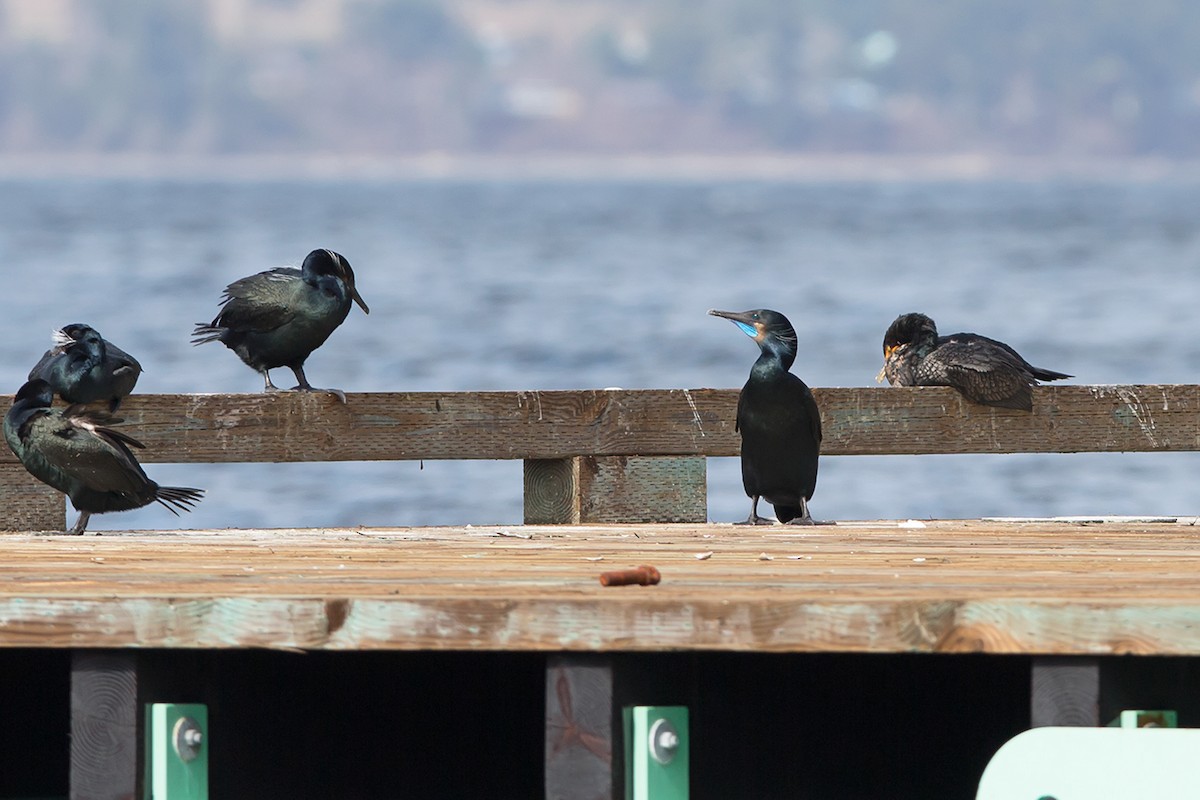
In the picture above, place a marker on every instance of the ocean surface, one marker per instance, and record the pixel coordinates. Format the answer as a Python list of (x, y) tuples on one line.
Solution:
[(479, 285)]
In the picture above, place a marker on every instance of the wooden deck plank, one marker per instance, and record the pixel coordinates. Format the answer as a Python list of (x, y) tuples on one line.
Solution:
[(949, 586), (652, 422)]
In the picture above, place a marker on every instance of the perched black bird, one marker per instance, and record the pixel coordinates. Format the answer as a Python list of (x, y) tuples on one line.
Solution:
[(779, 421), (75, 452), (984, 370), (84, 367), (278, 317)]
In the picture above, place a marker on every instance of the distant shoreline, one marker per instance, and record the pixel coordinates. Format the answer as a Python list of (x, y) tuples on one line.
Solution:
[(799, 168)]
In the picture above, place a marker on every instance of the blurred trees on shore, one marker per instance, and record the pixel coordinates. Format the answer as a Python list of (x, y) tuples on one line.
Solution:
[(1079, 77)]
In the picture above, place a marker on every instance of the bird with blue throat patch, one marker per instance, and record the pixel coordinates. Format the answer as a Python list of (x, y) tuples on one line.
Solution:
[(983, 370), (77, 452), (277, 318), (84, 367), (779, 421)]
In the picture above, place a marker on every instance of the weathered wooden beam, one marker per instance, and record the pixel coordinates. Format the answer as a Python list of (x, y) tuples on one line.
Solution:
[(720, 621), (697, 422), (27, 504), (610, 489), (1065, 692), (945, 587)]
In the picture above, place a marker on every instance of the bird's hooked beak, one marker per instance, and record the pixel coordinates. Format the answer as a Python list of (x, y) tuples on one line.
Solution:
[(751, 327), (347, 276), (887, 354)]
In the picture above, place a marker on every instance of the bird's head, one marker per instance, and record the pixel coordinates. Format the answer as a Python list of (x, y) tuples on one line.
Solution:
[(68, 335), (82, 342), (323, 262), (36, 392), (907, 331), (770, 329)]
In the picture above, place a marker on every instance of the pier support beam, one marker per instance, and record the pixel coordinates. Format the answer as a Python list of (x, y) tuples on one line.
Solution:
[(615, 489)]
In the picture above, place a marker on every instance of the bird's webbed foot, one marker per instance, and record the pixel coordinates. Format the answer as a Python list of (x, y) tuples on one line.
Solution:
[(755, 519), (338, 393), (269, 387), (80, 524), (302, 385)]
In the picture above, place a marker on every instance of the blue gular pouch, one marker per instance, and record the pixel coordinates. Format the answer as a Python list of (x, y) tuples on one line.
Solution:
[(749, 330)]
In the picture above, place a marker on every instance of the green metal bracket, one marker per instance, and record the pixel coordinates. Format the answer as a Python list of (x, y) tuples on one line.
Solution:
[(656, 752), (1146, 719), (176, 748)]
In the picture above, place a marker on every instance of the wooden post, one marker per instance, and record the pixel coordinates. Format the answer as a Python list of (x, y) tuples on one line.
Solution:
[(615, 489), (27, 504), (1065, 691), (104, 725)]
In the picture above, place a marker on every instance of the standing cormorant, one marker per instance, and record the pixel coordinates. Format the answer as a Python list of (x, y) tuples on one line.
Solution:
[(84, 367), (983, 370), (75, 452), (278, 317), (779, 421)]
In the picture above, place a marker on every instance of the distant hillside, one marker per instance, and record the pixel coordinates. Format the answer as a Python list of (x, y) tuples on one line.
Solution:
[(1023, 77)]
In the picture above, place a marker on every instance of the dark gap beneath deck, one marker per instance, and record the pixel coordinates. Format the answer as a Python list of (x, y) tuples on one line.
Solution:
[(458, 724)]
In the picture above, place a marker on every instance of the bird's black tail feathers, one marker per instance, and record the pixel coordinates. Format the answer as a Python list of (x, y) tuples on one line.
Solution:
[(178, 498), (1049, 374), (786, 513), (205, 332)]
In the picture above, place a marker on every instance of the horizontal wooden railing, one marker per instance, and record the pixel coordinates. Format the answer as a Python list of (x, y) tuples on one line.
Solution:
[(597, 455)]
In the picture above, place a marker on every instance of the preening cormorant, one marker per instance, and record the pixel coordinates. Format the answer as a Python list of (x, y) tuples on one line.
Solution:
[(84, 367), (779, 421), (76, 452), (983, 370), (278, 317)]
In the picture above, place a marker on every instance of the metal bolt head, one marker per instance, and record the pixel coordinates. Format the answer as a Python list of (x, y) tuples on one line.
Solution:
[(188, 738), (664, 741)]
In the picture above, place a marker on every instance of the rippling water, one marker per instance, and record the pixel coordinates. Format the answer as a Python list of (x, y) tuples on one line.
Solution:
[(555, 285)]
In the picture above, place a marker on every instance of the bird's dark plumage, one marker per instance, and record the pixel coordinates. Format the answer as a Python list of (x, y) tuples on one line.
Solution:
[(278, 317), (984, 370), (84, 367), (77, 452), (778, 419)]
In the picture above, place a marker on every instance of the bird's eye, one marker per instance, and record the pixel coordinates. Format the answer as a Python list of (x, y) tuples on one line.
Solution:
[(754, 316)]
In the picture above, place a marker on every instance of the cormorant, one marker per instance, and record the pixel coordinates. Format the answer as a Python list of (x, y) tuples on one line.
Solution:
[(278, 317), (77, 453), (983, 370), (84, 367), (779, 421)]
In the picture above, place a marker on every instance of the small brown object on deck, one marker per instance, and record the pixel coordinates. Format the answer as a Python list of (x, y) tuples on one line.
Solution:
[(644, 575)]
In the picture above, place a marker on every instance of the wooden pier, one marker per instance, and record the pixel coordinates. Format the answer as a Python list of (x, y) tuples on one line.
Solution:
[(788, 643)]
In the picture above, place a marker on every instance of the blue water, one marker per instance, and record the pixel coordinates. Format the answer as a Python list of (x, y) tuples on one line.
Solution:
[(555, 285)]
